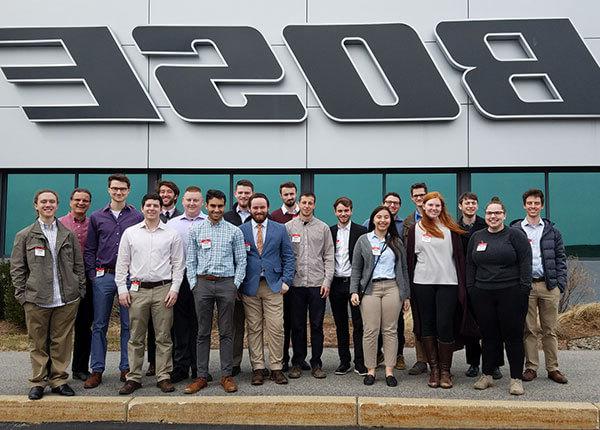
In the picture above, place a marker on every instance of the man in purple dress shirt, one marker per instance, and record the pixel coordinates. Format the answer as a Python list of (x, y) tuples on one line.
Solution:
[(100, 256), (77, 221)]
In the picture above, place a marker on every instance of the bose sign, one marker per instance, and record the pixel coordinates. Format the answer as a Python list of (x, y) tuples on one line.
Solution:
[(554, 53)]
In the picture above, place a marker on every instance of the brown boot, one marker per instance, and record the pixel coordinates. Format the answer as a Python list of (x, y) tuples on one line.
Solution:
[(431, 352), (445, 352)]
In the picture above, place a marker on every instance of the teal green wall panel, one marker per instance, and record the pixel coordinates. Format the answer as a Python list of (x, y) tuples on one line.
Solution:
[(269, 185), (97, 183), (363, 189), (509, 187), (205, 182), (21, 188)]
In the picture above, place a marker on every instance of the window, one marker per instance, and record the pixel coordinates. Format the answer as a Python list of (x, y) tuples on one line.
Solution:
[(363, 189), (98, 185), (205, 182), (268, 185), (21, 188)]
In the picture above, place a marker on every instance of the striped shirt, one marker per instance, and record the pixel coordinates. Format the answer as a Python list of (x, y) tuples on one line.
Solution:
[(216, 249)]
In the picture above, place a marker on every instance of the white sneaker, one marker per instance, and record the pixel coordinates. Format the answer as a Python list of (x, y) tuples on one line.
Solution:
[(485, 381), (516, 387)]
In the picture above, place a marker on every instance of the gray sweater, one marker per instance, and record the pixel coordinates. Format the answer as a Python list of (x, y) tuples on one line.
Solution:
[(362, 267)]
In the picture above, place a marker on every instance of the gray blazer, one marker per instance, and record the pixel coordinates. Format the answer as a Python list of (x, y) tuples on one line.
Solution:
[(362, 267)]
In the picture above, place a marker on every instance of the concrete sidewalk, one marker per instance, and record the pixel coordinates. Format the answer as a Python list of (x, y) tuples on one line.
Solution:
[(336, 400)]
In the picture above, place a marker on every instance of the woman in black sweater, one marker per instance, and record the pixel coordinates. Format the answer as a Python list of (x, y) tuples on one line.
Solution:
[(498, 283)]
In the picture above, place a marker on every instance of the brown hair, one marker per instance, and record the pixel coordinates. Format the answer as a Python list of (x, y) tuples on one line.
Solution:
[(193, 189), (119, 177), (171, 185), (496, 201), (445, 218), (343, 201), (534, 192), (45, 190)]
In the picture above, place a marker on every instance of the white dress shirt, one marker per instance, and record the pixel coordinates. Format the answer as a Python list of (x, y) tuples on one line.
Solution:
[(150, 256), (51, 231), (255, 231), (343, 267), (534, 234), (243, 213), (294, 211)]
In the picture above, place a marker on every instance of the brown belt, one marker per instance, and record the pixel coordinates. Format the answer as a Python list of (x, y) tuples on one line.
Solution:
[(213, 278)]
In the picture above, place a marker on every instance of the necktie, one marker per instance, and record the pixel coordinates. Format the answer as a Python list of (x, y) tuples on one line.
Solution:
[(259, 238)]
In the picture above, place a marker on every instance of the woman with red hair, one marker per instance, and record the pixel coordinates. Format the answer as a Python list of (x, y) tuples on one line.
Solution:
[(436, 266)]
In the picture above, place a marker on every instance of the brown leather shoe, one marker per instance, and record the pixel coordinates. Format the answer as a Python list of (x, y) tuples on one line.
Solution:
[(558, 377), (278, 377), (166, 386), (257, 377), (151, 370), (197, 385), (228, 384), (129, 387), (124, 374), (529, 375), (93, 381)]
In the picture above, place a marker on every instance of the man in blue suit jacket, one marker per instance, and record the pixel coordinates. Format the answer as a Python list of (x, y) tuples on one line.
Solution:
[(269, 273)]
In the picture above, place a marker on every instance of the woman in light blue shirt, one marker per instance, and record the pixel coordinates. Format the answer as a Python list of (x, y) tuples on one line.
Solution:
[(379, 271)]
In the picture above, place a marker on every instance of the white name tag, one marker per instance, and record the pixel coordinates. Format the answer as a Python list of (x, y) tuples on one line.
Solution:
[(39, 251), (206, 243), (247, 245), (376, 250), (296, 238), (135, 285), (481, 246), (426, 238)]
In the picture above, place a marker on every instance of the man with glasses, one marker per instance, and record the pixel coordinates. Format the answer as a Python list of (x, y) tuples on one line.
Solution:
[(100, 256), (417, 192)]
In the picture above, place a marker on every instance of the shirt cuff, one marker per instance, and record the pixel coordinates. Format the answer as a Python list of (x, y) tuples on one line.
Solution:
[(122, 289)]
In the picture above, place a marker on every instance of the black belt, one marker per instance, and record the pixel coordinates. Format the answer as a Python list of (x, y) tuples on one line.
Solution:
[(107, 270), (343, 280), (155, 284), (382, 279), (540, 279)]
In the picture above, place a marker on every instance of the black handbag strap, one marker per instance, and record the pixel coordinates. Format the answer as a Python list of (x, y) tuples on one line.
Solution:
[(375, 265)]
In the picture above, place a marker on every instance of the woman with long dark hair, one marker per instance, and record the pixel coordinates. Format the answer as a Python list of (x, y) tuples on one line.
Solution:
[(498, 281), (379, 275), (436, 267)]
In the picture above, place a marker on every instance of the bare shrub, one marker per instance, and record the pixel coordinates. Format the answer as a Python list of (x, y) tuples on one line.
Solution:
[(578, 289)]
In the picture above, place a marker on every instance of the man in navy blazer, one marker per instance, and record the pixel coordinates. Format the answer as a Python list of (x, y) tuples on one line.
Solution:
[(269, 273)]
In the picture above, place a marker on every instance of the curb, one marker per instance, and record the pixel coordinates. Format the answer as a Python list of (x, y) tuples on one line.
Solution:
[(305, 411)]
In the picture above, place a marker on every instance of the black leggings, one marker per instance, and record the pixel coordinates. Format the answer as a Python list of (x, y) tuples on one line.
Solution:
[(501, 318), (436, 305)]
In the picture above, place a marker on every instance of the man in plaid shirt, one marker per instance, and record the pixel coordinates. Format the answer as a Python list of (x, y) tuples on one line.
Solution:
[(216, 266)]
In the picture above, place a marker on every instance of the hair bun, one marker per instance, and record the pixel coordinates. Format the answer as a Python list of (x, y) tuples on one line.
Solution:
[(495, 199)]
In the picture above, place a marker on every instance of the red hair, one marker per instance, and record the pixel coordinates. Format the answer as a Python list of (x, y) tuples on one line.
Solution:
[(445, 218)]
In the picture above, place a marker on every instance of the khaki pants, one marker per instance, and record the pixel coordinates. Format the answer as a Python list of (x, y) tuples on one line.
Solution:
[(267, 306), (146, 302), (54, 325), (380, 311), (542, 302)]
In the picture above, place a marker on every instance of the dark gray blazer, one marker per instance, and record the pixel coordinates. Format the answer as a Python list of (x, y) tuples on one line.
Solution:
[(362, 267)]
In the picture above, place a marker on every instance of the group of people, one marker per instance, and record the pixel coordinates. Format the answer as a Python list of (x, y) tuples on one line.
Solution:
[(467, 281)]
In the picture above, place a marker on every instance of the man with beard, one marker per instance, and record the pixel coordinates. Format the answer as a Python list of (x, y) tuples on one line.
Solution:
[(269, 272), (239, 213)]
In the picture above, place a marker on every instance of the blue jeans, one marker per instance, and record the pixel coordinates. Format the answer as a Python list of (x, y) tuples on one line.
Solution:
[(104, 289)]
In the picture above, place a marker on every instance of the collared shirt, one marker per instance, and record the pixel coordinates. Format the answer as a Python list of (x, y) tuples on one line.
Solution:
[(243, 213), (51, 231), (314, 252), (149, 256), (182, 224), (418, 215), (294, 211), (216, 249), (534, 234), (386, 267), (169, 213), (343, 268), (78, 227), (255, 230), (104, 234)]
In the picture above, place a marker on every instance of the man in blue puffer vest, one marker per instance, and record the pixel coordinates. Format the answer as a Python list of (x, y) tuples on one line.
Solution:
[(549, 264)]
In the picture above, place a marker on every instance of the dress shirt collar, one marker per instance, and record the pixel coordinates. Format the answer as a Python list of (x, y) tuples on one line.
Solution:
[(528, 224), (373, 236), (46, 226), (74, 219), (160, 225), (217, 224), (264, 223), (295, 211), (345, 228), (418, 215), (200, 216), (107, 208)]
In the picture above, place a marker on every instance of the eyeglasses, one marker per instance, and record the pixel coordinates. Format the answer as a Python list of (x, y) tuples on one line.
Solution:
[(416, 196), (391, 203), (117, 189), (490, 213)]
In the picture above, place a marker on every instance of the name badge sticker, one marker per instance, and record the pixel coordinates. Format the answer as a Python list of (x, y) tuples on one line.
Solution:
[(39, 251), (481, 246), (206, 243), (426, 238), (296, 238), (247, 245), (135, 285), (376, 250), (99, 272)]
